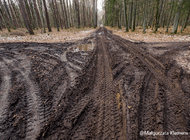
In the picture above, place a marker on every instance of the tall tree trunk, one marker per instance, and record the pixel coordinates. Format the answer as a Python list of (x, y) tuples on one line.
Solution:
[(63, 12), (9, 15), (33, 14), (170, 15), (120, 13), (152, 18), (13, 14), (31, 20), (130, 14), (94, 13), (68, 14), (37, 14), (186, 20), (145, 17), (42, 15), (162, 13), (55, 15), (17, 14), (89, 15), (4, 20), (0, 25), (177, 17), (52, 14), (157, 15), (77, 12), (47, 16), (138, 15), (72, 17), (134, 15), (150, 7), (58, 14), (125, 16), (25, 17), (84, 20)]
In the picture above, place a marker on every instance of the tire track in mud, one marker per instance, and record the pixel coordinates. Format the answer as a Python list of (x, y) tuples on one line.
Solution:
[(108, 124), (34, 118), (158, 69), (4, 92)]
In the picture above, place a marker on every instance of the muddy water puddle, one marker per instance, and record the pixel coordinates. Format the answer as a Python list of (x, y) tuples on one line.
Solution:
[(82, 47)]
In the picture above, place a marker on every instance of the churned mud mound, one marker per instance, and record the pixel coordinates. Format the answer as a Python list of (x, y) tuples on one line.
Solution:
[(102, 87)]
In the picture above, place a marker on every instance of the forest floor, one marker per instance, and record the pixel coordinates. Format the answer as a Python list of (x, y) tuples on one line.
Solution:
[(149, 36), (100, 87), (21, 35)]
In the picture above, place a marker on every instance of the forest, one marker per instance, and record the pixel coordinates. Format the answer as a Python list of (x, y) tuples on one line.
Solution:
[(36, 14), (152, 13)]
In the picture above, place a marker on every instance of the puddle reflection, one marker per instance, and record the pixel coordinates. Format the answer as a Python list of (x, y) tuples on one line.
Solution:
[(84, 47)]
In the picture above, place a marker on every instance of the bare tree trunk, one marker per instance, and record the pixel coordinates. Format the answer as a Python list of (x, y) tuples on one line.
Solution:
[(134, 15), (37, 14), (42, 16), (170, 15), (162, 13), (152, 17), (71, 15), (4, 20), (58, 14), (25, 17), (77, 12), (0, 25), (31, 20), (89, 15), (138, 16), (9, 15), (63, 12), (149, 14), (94, 13), (130, 14), (125, 16), (47, 16), (145, 17), (55, 15), (84, 20), (177, 16), (13, 14), (186, 20), (68, 14), (157, 15), (33, 14), (17, 14)]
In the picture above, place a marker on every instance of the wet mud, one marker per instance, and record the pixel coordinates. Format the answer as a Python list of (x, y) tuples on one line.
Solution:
[(101, 87)]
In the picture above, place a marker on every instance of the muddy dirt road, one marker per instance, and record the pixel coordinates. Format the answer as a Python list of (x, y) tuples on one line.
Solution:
[(101, 87)]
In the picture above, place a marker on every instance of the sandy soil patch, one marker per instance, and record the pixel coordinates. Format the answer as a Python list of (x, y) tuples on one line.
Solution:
[(21, 35), (149, 36)]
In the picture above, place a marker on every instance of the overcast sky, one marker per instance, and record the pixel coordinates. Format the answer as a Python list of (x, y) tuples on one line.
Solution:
[(100, 5)]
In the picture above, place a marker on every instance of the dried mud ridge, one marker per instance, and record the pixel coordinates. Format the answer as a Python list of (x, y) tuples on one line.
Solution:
[(112, 92)]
